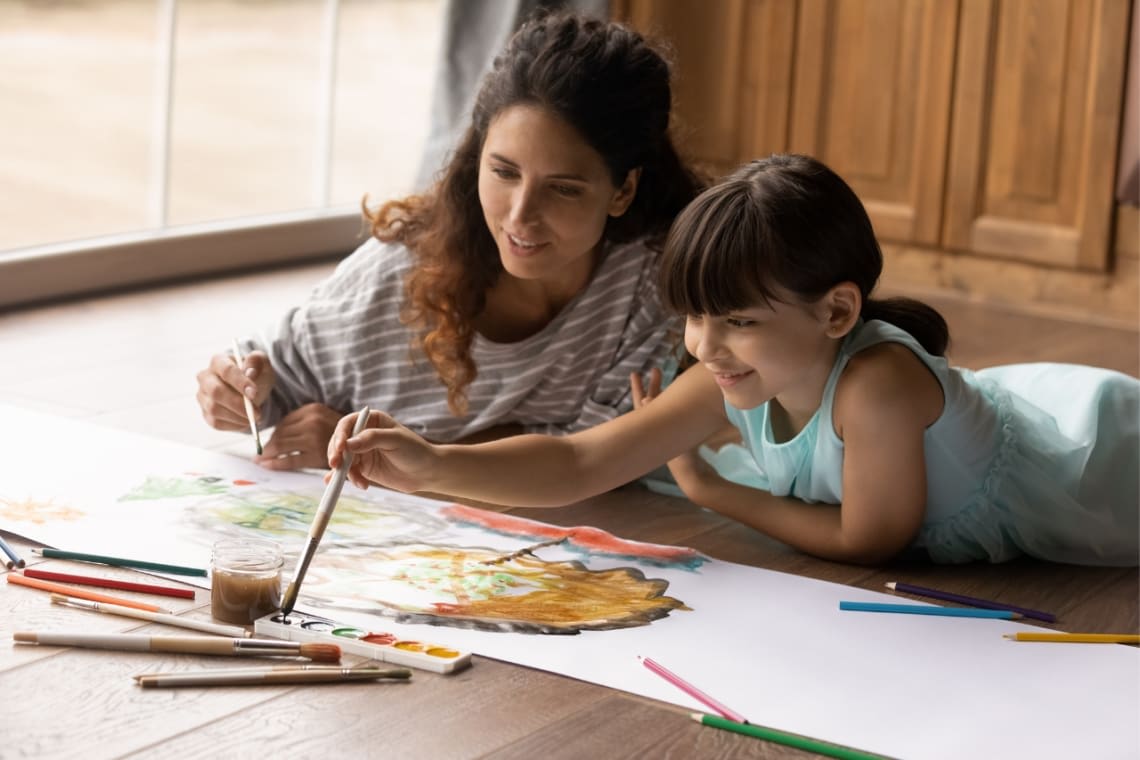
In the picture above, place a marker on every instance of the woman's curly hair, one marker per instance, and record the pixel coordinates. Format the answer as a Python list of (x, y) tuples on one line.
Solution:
[(603, 79)]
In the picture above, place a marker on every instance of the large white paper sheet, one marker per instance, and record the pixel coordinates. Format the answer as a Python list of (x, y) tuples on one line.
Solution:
[(772, 646)]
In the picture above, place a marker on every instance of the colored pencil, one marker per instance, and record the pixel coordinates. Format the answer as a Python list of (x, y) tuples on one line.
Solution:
[(246, 677), (986, 604), (928, 609), (138, 642), (101, 559), (20, 580), (84, 580), (249, 413), (783, 737), (1077, 638), (14, 560), (154, 617), (691, 690), (320, 521)]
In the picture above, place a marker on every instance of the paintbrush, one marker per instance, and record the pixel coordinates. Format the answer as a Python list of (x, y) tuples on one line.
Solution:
[(321, 520), (154, 617), (249, 413), (134, 642), (249, 677)]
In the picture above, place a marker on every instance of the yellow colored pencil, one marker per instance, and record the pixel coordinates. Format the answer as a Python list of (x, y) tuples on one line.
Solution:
[(1077, 638)]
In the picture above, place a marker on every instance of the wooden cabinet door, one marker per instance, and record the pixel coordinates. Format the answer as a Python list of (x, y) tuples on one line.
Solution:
[(1036, 120), (871, 98), (705, 39)]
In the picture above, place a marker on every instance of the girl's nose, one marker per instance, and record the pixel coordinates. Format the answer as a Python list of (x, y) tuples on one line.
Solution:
[(705, 341)]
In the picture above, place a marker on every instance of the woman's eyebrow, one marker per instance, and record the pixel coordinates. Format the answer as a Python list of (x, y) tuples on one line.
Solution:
[(565, 176)]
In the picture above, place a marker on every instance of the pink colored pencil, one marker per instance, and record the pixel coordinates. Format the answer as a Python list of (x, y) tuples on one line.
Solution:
[(20, 580), (692, 691), (84, 580)]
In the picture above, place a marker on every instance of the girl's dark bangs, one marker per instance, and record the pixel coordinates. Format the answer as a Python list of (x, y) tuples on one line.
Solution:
[(710, 265)]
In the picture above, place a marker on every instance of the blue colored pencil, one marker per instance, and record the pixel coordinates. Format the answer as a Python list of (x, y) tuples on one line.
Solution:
[(14, 560), (927, 609)]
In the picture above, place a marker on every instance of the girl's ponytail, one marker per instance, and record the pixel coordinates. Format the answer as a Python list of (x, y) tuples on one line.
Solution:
[(921, 321)]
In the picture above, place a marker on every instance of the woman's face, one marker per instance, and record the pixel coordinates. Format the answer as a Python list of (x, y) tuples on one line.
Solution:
[(546, 195)]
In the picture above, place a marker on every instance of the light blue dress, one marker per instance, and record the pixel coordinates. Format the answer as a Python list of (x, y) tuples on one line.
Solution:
[(1037, 459)]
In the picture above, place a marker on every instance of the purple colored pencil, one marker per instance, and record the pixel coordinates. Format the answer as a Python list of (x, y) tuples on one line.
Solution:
[(970, 601)]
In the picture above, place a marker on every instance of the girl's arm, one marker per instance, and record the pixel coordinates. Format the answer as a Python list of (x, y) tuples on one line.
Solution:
[(535, 470), (885, 401)]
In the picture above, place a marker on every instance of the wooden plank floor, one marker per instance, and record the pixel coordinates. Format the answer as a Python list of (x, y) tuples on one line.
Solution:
[(128, 361)]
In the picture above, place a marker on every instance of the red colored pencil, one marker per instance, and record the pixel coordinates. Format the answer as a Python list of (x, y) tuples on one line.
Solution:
[(85, 580), (20, 580)]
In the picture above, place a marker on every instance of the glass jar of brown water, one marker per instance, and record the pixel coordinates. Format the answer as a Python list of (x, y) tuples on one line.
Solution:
[(245, 579)]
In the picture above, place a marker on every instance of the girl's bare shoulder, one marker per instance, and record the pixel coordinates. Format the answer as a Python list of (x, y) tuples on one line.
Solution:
[(887, 378)]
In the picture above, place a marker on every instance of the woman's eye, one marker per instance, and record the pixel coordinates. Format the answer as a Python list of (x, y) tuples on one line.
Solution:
[(569, 191), (504, 173), (738, 322)]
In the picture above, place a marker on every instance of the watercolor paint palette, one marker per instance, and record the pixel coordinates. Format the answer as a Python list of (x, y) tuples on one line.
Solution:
[(380, 646)]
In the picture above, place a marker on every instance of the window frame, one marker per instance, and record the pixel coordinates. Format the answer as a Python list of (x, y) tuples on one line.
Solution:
[(114, 262)]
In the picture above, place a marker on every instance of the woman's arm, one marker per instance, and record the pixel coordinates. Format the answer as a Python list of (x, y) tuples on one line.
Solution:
[(536, 470), (885, 401)]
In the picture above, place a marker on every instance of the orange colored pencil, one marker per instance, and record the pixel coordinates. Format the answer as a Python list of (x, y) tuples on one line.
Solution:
[(58, 588)]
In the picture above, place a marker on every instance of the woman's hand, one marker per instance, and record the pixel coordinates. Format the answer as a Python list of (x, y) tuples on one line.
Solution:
[(223, 384), (301, 439), (384, 453), (690, 470)]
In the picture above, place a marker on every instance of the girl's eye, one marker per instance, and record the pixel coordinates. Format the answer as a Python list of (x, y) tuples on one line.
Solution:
[(739, 322), (503, 172)]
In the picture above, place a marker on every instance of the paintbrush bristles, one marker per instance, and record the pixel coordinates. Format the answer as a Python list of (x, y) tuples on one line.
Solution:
[(320, 652)]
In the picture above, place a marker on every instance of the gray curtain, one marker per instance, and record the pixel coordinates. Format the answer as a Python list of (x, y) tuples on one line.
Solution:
[(473, 34)]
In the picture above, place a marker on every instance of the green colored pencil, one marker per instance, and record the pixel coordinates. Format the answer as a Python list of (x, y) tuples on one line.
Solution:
[(120, 562), (783, 737)]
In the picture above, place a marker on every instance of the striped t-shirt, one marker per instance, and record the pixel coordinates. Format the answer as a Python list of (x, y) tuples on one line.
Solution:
[(346, 347)]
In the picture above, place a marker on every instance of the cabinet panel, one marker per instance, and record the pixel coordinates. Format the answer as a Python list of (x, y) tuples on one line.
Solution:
[(872, 95), (1035, 128), (707, 41)]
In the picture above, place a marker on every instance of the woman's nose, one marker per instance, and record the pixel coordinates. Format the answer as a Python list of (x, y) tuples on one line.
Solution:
[(524, 205)]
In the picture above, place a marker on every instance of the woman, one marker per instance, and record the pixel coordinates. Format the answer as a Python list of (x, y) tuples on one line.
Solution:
[(518, 295)]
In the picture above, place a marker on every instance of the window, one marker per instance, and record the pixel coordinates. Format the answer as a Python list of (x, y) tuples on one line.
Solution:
[(144, 139)]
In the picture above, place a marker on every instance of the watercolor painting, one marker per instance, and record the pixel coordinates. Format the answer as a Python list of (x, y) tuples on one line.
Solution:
[(396, 557), (577, 601)]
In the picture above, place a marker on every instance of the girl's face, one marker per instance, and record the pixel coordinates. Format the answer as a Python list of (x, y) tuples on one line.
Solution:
[(760, 353), (546, 196)]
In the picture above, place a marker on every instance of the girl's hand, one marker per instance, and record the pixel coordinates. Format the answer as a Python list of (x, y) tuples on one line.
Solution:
[(384, 453), (301, 439), (222, 385)]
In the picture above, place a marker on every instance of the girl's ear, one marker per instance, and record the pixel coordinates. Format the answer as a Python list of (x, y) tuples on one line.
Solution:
[(625, 194), (842, 306)]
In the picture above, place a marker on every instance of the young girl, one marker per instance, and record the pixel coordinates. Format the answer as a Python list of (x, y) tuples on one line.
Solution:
[(520, 292), (863, 442)]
